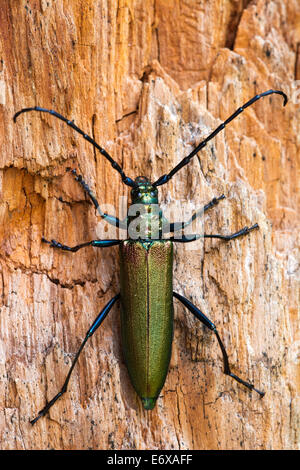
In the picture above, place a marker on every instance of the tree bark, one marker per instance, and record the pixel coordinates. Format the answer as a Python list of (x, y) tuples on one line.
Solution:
[(148, 80)]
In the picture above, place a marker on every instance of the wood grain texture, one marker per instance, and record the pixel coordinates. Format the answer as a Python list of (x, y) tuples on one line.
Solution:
[(148, 79)]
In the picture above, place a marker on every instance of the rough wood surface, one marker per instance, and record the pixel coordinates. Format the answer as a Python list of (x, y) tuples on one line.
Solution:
[(148, 79)]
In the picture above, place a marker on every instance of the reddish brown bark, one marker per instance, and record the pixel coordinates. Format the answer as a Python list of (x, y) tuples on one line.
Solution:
[(148, 79)]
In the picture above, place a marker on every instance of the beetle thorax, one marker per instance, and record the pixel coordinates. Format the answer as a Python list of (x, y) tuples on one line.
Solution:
[(144, 214)]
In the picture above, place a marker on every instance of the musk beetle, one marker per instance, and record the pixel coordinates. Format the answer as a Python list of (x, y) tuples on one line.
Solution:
[(146, 259)]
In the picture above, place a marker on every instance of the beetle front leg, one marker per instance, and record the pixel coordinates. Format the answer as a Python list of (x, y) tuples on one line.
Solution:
[(96, 243), (203, 318), (104, 312), (174, 226), (109, 218)]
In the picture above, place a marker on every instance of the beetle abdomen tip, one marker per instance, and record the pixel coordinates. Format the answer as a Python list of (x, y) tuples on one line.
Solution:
[(148, 403)]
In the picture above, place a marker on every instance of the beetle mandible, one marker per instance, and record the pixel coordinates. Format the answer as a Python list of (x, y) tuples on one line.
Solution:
[(146, 291)]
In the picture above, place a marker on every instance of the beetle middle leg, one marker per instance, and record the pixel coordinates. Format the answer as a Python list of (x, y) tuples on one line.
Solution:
[(104, 312), (193, 237), (96, 243), (203, 318)]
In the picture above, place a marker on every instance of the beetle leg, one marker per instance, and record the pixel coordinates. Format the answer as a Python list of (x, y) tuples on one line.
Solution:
[(243, 231), (174, 226), (200, 316), (109, 218), (97, 243), (89, 333), (192, 237)]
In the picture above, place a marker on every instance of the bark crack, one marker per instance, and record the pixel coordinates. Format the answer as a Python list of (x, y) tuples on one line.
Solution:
[(126, 115), (297, 62), (76, 282), (233, 25)]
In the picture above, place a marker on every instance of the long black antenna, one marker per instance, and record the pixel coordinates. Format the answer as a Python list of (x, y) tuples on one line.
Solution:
[(165, 178), (126, 180)]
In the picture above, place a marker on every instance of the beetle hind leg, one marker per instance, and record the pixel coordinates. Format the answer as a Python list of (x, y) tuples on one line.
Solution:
[(99, 319), (203, 318)]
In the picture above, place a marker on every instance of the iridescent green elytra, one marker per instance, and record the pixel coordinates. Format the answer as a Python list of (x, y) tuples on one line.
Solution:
[(146, 314)]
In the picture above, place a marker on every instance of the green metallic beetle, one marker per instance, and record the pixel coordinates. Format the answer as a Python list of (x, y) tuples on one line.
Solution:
[(146, 264)]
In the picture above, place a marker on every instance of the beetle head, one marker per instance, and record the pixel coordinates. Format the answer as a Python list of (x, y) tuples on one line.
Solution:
[(144, 192)]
